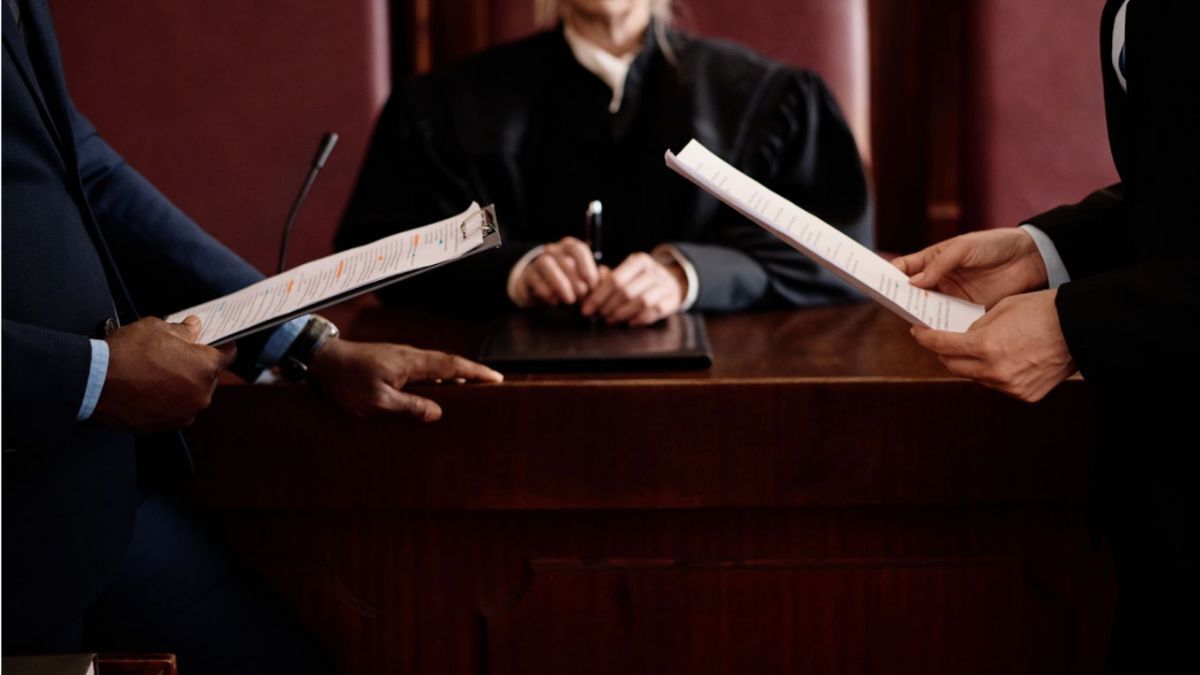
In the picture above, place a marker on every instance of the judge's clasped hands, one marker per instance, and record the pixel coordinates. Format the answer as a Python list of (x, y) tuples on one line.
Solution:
[(642, 290), (1017, 347)]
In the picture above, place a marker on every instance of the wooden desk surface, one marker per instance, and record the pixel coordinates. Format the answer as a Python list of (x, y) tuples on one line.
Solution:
[(824, 499), (828, 406), (854, 341)]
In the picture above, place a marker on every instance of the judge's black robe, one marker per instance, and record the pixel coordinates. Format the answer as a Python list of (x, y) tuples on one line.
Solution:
[(526, 127)]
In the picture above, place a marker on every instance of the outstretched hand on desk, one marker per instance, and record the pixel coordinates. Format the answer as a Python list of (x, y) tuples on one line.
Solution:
[(367, 378)]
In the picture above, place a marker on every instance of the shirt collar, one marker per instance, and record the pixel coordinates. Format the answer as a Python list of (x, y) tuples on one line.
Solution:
[(612, 70)]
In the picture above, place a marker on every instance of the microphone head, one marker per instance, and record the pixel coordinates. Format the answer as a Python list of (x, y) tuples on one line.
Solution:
[(329, 140)]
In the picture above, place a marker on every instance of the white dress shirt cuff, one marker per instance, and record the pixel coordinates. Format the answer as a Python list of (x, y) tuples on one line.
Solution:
[(279, 342), (1056, 271), (689, 272), (517, 293), (97, 374)]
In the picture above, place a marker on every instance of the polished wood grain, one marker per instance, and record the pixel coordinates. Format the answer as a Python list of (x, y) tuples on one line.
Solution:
[(825, 498), (136, 664)]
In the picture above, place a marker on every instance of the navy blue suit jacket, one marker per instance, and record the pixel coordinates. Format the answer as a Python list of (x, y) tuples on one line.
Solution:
[(85, 239)]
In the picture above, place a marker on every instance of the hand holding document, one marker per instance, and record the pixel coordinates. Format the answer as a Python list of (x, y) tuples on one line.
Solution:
[(343, 275), (828, 246)]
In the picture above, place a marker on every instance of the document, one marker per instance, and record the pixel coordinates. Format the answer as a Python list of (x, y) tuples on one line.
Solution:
[(826, 245), (342, 276)]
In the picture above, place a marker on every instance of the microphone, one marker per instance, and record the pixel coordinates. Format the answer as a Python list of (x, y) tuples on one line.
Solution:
[(329, 140)]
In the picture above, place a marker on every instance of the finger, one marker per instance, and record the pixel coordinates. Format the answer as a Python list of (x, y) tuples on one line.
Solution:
[(656, 303), (412, 405), (943, 342), (629, 310), (551, 273), (634, 299), (645, 317), (627, 292), (438, 365), (913, 262), (571, 269), (585, 261), (969, 368), (631, 267), (538, 286), (600, 294), (942, 261), (188, 329)]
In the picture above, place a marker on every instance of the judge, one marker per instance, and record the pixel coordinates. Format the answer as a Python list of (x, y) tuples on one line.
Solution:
[(584, 112)]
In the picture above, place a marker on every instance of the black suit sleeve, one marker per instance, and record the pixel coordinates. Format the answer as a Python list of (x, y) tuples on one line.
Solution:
[(1132, 309), (1090, 236), (800, 147)]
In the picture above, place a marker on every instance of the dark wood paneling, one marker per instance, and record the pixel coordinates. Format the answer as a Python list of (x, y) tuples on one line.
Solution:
[(778, 616), (917, 111)]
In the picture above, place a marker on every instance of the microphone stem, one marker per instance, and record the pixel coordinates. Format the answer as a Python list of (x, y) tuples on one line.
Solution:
[(291, 219)]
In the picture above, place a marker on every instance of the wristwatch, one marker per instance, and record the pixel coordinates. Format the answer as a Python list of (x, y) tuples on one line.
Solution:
[(294, 364)]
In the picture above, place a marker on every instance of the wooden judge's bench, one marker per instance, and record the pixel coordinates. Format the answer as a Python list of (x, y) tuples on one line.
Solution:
[(825, 499)]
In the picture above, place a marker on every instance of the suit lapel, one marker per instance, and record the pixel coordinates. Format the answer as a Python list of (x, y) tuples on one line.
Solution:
[(43, 48), (17, 48), (50, 93)]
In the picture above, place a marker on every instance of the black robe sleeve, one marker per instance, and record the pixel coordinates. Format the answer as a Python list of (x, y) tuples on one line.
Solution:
[(415, 174)]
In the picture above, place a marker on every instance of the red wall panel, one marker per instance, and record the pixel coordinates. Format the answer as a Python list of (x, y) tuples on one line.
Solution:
[(1035, 122), (221, 104)]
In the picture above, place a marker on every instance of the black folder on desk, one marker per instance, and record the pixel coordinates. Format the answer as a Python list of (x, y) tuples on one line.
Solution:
[(547, 342)]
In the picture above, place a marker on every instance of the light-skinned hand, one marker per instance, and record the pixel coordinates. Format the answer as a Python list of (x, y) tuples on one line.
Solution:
[(983, 267), (1017, 347), (639, 291), (563, 274)]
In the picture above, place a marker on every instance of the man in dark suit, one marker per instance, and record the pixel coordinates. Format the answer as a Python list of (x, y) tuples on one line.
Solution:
[(1111, 287), (96, 556)]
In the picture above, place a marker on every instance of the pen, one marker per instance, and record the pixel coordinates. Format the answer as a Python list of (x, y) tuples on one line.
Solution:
[(593, 228)]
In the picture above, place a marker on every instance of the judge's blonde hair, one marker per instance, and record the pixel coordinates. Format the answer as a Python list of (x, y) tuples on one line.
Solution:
[(546, 12)]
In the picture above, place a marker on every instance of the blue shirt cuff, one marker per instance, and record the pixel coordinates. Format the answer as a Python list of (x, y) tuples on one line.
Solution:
[(1056, 270), (95, 382), (279, 342)]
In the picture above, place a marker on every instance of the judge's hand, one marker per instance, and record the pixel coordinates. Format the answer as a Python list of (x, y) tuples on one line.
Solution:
[(158, 377), (640, 291), (983, 267), (1017, 347), (563, 274), (367, 378)]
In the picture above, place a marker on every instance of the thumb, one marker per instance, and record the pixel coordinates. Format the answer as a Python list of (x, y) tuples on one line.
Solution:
[(227, 354), (188, 329), (939, 264)]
